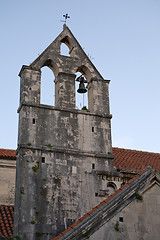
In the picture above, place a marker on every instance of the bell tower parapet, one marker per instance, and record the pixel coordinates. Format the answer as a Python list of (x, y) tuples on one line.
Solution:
[(98, 96), (30, 85)]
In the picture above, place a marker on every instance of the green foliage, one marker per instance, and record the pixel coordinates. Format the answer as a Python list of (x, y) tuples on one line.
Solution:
[(116, 226), (86, 234), (84, 108), (37, 213), (33, 221), (44, 179), (29, 144), (21, 190), (42, 190), (49, 145), (34, 150), (138, 196), (35, 208), (35, 168), (16, 237), (39, 234)]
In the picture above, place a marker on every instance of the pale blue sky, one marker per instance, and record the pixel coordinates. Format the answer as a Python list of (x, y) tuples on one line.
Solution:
[(122, 37)]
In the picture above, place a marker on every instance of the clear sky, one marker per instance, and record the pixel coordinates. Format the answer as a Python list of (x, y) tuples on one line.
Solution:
[(122, 37)]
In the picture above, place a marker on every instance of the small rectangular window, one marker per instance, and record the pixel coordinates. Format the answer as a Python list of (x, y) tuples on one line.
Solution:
[(34, 120), (96, 194), (43, 159), (121, 219), (92, 129), (93, 166)]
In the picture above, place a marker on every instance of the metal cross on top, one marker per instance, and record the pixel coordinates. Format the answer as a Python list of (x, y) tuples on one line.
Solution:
[(66, 16)]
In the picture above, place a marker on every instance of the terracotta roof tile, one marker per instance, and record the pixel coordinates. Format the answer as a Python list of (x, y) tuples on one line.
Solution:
[(7, 153), (6, 221), (126, 159)]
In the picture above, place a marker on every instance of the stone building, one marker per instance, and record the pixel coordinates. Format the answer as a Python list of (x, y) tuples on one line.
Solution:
[(120, 216), (60, 147), (70, 183)]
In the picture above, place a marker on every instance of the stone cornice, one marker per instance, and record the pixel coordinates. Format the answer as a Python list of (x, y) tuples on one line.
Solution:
[(63, 109)]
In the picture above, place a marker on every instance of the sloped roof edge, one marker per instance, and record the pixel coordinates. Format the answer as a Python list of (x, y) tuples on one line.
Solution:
[(102, 213)]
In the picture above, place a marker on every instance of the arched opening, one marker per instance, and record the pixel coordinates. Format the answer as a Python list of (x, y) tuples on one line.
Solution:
[(111, 188), (65, 50), (47, 86), (81, 98)]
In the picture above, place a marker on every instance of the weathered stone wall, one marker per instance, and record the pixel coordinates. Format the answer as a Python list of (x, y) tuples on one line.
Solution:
[(75, 130), (7, 181), (60, 152), (140, 220)]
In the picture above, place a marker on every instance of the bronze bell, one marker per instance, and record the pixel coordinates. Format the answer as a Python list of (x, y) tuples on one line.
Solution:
[(82, 88)]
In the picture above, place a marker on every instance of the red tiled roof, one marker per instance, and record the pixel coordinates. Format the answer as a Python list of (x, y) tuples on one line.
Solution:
[(127, 159), (101, 204), (7, 153), (6, 221)]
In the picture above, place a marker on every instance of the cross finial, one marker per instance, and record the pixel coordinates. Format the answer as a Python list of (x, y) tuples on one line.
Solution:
[(66, 16)]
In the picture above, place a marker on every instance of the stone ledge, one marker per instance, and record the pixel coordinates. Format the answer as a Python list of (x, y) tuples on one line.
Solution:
[(63, 109), (66, 151)]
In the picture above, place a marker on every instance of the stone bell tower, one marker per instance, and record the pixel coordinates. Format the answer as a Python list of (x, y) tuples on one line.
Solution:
[(61, 150)]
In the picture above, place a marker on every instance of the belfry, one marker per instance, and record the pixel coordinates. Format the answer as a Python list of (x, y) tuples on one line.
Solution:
[(62, 151)]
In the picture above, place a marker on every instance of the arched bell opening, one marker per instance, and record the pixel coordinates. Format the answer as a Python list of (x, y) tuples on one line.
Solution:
[(47, 95), (66, 47), (81, 92)]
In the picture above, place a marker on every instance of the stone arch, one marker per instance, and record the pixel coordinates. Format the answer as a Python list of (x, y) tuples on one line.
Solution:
[(87, 74), (85, 71), (111, 187), (52, 65), (68, 42)]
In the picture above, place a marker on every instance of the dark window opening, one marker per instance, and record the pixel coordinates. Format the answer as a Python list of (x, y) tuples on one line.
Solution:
[(96, 194), (121, 219), (43, 159), (93, 166), (123, 183), (34, 120), (92, 129)]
